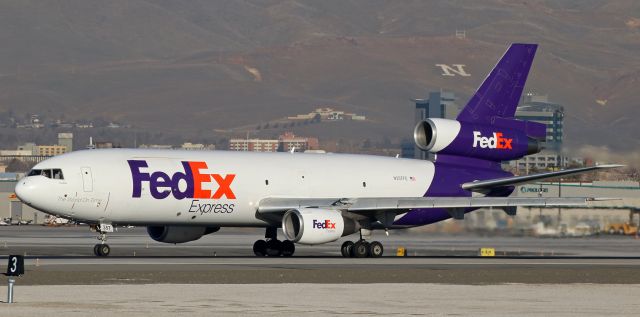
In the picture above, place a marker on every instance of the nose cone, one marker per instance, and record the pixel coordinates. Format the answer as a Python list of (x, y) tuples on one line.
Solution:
[(26, 190)]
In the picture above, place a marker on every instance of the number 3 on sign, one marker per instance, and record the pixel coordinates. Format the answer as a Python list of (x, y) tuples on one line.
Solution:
[(16, 265)]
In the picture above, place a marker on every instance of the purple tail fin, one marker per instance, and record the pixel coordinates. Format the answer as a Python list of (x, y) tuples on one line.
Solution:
[(491, 110), (500, 92)]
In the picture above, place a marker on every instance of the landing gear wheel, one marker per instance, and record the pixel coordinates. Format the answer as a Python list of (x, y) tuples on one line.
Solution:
[(288, 248), (375, 249), (274, 247), (101, 249), (361, 249), (347, 249), (260, 248)]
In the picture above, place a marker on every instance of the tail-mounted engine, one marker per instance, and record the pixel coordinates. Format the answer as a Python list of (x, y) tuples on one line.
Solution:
[(493, 143)]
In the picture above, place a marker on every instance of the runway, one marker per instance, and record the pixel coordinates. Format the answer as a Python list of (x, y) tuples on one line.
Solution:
[(219, 275), (62, 255)]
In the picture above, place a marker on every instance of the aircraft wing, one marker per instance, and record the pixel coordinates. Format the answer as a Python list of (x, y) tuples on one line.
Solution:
[(275, 207), (485, 185), (399, 205)]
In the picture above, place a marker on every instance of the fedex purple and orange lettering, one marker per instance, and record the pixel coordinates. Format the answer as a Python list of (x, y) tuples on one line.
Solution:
[(327, 224), (495, 142), (161, 185)]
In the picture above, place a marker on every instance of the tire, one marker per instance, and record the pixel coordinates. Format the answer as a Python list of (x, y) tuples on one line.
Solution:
[(274, 247), (96, 250), (288, 248), (361, 249), (347, 249), (376, 249), (104, 249), (260, 248)]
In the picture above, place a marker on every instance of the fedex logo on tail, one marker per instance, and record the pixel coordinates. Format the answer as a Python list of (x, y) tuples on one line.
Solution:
[(497, 141), (161, 185), (323, 224)]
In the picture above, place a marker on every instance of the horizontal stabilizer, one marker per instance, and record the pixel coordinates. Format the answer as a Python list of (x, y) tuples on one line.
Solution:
[(485, 185)]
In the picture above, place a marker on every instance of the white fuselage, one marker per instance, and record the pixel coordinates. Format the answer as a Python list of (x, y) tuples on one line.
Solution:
[(98, 185)]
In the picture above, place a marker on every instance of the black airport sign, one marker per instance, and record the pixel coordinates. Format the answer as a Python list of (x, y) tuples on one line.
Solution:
[(16, 265)]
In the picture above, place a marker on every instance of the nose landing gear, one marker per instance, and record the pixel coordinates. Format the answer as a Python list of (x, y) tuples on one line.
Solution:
[(102, 249)]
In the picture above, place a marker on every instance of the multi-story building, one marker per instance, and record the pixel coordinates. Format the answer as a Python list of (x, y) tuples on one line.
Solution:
[(288, 141), (285, 143), (538, 108), (50, 150), (30, 147), (254, 145)]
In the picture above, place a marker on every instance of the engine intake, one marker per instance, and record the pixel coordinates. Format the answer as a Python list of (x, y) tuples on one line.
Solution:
[(316, 226), (178, 234)]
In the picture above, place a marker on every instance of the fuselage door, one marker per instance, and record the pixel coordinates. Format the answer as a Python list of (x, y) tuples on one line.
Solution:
[(87, 179)]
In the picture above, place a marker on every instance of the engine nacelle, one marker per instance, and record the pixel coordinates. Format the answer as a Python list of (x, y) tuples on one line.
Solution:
[(178, 234), (452, 137), (316, 226)]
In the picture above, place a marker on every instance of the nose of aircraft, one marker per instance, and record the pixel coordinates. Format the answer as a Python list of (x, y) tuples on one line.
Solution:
[(26, 190)]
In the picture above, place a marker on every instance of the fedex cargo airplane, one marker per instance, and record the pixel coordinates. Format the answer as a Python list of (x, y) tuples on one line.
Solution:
[(181, 196)]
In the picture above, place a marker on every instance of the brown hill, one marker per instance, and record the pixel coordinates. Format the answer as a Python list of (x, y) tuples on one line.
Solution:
[(203, 65)]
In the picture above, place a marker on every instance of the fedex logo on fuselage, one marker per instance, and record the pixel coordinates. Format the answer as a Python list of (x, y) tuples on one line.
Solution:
[(161, 185), (494, 142), (327, 224)]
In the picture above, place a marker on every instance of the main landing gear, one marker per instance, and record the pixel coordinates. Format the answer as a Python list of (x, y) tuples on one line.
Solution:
[(362, 249), (271, 246)]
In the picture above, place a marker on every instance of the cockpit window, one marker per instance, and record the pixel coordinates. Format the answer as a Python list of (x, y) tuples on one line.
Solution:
[(34, 172), (55, 173)]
